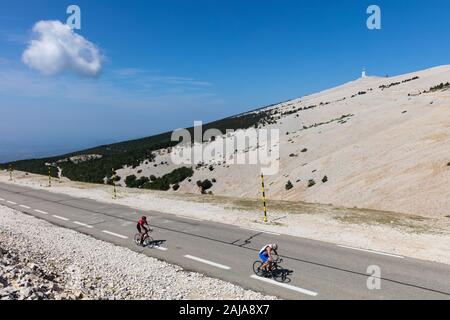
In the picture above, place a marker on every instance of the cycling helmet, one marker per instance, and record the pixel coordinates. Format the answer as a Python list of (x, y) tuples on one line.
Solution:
[(144, 218), (275, 247)]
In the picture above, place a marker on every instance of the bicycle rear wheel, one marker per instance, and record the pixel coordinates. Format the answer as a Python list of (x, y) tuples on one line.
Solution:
[(137, 239), (257, 268)]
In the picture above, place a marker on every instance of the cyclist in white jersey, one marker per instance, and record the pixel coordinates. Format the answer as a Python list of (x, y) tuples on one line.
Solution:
[(265, 254)]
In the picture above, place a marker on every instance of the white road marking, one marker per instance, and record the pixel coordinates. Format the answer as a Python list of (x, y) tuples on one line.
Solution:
[(371, 251), (189, 218), (161, 248), (39, 211), (26, 207), (83, 224), (114, 234), (1, 199), (284, 285), (214, 264), (11, 202), (60, 218), (261, 231)]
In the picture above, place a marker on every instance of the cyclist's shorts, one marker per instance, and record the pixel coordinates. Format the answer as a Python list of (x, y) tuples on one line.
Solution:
[(264, 257)]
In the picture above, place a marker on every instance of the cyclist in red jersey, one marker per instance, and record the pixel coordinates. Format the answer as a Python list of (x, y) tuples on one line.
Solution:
[(143, 227)]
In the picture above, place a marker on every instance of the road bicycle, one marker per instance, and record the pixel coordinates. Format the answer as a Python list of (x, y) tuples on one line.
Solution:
[(148, 240), (276, 271)]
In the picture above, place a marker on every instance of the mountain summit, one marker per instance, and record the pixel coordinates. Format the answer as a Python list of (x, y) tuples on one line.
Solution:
[(376, 142)]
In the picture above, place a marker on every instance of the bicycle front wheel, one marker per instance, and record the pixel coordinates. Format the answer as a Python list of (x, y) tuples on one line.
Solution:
[(148, 241)]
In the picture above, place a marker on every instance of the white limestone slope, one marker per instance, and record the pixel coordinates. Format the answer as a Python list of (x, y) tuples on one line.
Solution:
[(390, 154)]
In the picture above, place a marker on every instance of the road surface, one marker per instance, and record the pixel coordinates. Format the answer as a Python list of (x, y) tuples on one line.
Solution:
[(320, 270)]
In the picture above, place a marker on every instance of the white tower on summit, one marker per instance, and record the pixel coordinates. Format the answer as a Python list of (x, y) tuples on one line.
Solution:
[(364, 75)]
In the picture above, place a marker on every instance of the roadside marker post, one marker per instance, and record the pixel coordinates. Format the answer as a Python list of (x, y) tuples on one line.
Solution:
[(264, 199), (114, 184), (49, 177), (10, 173)]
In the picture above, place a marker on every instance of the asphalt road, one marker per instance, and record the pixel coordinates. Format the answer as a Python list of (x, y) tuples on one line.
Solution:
[(320, 270)]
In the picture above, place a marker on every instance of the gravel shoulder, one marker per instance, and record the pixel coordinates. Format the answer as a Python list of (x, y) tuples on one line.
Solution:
[(39, 260)]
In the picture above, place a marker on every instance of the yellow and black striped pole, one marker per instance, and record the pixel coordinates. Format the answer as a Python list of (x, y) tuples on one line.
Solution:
[(264, 199), (49, 177), (114, 184)]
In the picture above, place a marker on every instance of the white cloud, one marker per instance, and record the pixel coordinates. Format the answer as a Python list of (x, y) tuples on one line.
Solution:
[(57, 48)]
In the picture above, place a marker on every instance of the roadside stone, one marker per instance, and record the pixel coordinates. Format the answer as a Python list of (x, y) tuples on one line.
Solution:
[(27, 292)]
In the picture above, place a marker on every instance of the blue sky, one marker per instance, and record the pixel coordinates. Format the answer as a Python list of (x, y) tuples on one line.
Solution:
[(167, 63)]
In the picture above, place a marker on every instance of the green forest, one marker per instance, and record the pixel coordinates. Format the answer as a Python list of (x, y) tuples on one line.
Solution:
[(129, 153)]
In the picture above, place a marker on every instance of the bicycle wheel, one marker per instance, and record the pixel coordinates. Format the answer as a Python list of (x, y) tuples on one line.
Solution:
[(137, 239), (257, 268), (148, 241)]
